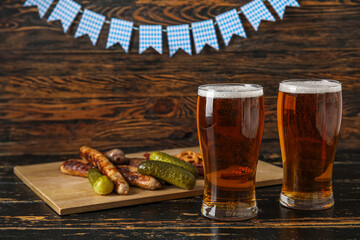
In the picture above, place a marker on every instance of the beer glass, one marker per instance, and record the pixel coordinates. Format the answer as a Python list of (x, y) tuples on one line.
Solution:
[(309, 117), (230, 122)]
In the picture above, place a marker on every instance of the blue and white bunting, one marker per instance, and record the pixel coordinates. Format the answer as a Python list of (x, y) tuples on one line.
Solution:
[(280, 5), (150, 36), (256, 11), (204, 33), (120, 32), (179, 38), (91, 24), (42, 5), (65, 11), (229, 24)]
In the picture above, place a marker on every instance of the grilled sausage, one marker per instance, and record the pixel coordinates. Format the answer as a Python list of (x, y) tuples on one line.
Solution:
[(77, 167), (134, 178), (106, 167)]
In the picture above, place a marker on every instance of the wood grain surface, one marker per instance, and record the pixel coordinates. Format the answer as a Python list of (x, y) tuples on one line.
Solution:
[(58, 93), (23, 215)]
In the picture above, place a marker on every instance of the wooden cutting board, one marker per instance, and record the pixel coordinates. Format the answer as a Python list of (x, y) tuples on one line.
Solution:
[(70, 194)]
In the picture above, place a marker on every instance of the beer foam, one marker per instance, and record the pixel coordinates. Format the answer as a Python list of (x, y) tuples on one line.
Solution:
[(230, 91), (310, 86)]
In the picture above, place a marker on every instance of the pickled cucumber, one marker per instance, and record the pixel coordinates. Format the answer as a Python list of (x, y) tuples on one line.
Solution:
[(168, 172), (163, 157), (99, 182)]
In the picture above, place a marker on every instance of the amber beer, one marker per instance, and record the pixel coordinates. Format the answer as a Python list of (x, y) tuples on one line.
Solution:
[(309, 117), (230, 121)]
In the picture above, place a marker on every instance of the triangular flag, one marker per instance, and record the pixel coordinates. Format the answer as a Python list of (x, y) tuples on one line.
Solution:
[(179, 38), (65, 11), (42, 5), (229, 24), (120, 32), (204, 33), (280, 5), (256, 11), (150, 36), (91, 24)]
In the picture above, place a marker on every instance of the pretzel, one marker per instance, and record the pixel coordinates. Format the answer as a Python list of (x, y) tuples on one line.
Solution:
[(189, 156)]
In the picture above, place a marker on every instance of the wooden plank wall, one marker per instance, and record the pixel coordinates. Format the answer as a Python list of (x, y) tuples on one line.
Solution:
[(58, 93)]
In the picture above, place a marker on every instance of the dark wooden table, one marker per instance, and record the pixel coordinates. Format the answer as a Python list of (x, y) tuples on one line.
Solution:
[(24, 216)]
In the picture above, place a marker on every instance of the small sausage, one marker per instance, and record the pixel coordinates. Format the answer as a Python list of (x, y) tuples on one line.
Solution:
[(117, 156), (106, 167), (137, 179), (77, 167), (136, 161)]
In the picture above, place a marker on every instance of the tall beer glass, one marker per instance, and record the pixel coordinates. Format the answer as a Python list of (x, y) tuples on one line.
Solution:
[(309, 117), (230, 121)]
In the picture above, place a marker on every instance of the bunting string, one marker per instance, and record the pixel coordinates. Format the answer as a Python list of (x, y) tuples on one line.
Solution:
[(151, 36)]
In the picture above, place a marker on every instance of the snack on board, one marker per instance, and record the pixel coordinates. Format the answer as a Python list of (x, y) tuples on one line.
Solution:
[(194, 158), (167, 168), (79, 167), (169, 172), (76, 167), (106, 167), (190, 157), (163, 157), (135, 178), (100, 183), (116, 156), (136, 161)]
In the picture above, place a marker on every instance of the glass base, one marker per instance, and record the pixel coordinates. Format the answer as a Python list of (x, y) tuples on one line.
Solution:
[(309, 205), (239, 212)]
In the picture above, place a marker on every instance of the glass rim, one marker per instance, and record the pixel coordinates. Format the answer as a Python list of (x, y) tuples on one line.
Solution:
[(216, 87), (287, 86), (230, 90), (311, 80)]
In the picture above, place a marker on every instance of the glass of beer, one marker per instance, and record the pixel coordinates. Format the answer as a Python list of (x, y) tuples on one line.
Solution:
[(309, 117), (230, 122)]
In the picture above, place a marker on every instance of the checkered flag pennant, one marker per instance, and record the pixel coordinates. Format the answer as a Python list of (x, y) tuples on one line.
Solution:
[(256, 11), (120, 32), (280, 5), (65, 11), (204, 33), (42, 5), (229, 24), (150, 36), (179, 37), (90, 24)]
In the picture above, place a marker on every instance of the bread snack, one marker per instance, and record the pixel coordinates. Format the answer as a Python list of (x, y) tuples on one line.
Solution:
[(106, 167), (190, 157)]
